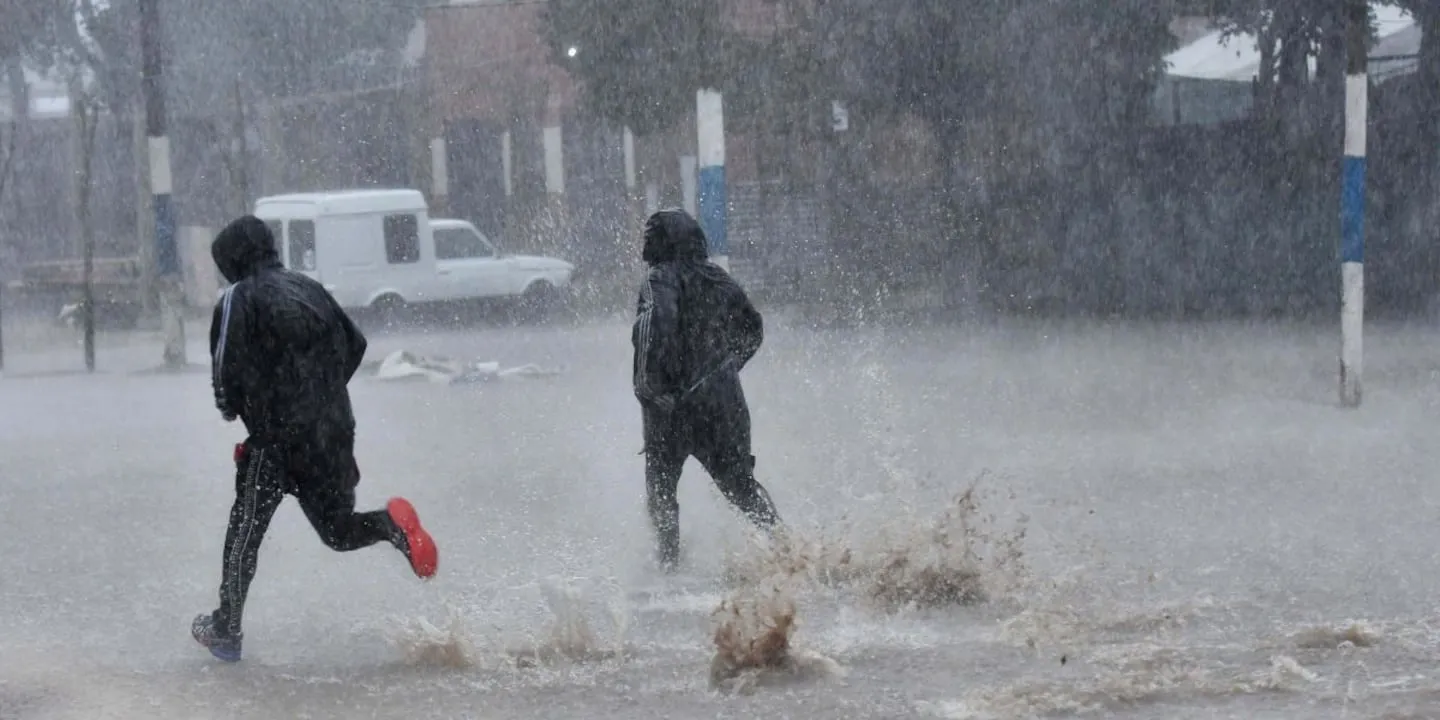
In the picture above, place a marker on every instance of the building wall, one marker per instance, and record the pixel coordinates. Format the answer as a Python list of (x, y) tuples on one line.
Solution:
[(489, 61)]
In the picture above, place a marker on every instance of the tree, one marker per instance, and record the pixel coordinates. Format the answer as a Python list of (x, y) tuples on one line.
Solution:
[(1019, 95), (280, 48), (32, 29), (953, 64), (639, 62), (32, 34)]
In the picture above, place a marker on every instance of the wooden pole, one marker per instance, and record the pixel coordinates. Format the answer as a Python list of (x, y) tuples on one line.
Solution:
[(82, 108)]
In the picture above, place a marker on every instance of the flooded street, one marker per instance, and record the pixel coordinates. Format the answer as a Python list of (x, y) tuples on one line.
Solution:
[(1170, 521)]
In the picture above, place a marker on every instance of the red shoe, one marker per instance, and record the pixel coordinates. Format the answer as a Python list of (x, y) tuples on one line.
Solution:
[(419, 546)]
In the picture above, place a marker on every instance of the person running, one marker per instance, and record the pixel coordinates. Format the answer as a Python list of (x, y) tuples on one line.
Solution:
[(695, 329), (282, 352)]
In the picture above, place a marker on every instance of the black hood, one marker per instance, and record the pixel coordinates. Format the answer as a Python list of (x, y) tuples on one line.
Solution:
[(243, 248), (673, 235)]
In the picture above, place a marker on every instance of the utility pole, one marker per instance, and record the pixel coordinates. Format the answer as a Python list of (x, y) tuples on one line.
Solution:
[(710, 131), (241, 147), (5, 162), (167, 250), (144, 215), (86, 116), (1352, 202)]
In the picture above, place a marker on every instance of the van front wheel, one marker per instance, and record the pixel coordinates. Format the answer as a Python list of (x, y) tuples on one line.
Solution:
[(389, 311), (539, 302)]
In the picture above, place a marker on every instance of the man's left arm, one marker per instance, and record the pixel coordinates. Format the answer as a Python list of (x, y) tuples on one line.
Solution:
[(228, 351), (656, 330)]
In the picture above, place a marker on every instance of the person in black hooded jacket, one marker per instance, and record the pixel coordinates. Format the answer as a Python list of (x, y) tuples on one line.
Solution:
[(282, 352), (694, 331)]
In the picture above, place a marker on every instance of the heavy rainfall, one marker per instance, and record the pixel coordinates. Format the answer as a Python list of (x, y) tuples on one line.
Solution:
[(1023, 358)]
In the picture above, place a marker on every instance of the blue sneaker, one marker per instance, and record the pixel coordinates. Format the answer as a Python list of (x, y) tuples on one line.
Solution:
[(225, 647)]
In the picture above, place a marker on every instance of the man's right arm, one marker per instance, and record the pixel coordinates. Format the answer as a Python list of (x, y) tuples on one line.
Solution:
[(749, 330), (355, 342)]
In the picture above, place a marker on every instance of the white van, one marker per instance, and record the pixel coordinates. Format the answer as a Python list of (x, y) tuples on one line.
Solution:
[(377, 249)]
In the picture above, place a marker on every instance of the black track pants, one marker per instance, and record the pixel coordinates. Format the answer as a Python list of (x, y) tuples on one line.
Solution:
[(322, 476), (715, 431)]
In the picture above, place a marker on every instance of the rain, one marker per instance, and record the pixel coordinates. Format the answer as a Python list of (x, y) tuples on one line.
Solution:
[(1100, 370)]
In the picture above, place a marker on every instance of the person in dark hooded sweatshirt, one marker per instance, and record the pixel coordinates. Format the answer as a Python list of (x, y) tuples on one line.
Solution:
[(694, 331), (282, 353)]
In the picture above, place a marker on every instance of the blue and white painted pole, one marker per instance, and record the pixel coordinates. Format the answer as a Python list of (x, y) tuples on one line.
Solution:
[(167, 250), (710, 127), (1352, 206)]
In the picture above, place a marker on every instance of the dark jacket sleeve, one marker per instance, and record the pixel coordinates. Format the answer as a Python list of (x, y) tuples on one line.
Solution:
[(656, 334), (231, 364), (355, 342), (749, 331)]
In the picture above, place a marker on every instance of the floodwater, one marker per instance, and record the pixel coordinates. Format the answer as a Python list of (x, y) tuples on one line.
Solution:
[(1169, 521)]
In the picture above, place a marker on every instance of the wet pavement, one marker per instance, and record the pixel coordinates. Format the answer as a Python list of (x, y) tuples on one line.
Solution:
[(1207, 534)]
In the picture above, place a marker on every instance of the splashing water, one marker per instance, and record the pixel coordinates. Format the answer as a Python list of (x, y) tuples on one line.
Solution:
[(1327, 637), (752, 636), (958, 557), (571, 636), (426, 644)]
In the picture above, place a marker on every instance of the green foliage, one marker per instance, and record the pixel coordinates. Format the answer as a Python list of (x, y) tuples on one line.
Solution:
[(639, 62), (33, 29), (782, 85), (952, 63), (278, 47), (935, 58)]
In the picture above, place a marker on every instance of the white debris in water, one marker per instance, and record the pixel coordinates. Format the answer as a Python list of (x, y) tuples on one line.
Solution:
[(404, 365)]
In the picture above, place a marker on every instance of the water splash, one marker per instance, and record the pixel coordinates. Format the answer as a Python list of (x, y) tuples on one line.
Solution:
[(959, 557), (571, 636), (753, 631), (426, 644)]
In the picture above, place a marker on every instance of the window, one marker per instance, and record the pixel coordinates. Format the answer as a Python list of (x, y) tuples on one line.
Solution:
[(402, 239), (460, 243), (302, 245)]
